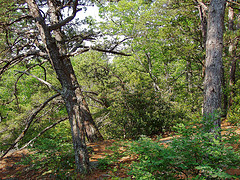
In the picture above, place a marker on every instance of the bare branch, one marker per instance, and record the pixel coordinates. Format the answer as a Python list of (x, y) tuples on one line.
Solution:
[(120, 42), (43, 131), (30, 120), (48, 111), (96, 100), (19, 58), (233, 2), (87, 48), (19, 19), (15, 86), (41, 80), (110, 51)]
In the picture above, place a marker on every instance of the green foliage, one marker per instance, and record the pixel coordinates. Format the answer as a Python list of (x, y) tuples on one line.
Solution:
[(234, 112), (141, 113), (53, 154), (193, 155), (126, 101), (20, 96)]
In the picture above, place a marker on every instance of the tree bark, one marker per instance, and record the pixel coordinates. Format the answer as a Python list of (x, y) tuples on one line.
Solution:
[(213, 66), (202, 8)]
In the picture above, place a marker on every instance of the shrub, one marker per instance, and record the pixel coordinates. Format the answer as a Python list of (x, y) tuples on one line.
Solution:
[(193, 155), (53, 155), (142, 113)]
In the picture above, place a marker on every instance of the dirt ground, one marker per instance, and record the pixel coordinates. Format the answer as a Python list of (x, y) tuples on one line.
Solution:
[(10, 171)]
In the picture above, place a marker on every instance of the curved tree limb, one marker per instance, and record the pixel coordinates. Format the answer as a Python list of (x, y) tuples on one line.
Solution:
[(68, 19), (15, 85), (42, 81), (29, 122), (87, 48), (43, 131), (19, 58)]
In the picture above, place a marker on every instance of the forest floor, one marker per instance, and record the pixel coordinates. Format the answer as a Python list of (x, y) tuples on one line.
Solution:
[(9, 170)]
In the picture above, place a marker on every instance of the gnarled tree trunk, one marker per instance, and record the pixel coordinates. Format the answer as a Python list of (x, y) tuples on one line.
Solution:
[(78, 112)]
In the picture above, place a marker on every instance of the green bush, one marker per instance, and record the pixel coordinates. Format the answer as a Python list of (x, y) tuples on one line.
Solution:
[(53, 155), (234, 112), (194, 155), (141, 113)]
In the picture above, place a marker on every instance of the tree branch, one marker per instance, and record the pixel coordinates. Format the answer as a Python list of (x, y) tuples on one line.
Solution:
[(15, 85), (20, 58), (42, 81), (19, 19), (68, 19), (120, 42), (30, 120), (43, 131), (87, 48)]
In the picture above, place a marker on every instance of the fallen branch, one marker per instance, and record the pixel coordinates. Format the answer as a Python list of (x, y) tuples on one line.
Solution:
[(30, 120), (43, 131)]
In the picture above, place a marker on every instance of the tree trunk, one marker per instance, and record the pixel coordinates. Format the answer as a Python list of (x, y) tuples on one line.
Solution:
[(75, 103), (92, 131), (225, 95), (213, 66), (202, 8), (232, 52)]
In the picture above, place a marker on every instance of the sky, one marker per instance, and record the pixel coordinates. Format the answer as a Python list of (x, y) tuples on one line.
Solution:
[(91, 11)]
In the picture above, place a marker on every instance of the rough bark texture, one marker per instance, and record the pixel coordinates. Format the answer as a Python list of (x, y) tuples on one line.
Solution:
[(76, 105), (92, 132), (202, 8), (213, 65)]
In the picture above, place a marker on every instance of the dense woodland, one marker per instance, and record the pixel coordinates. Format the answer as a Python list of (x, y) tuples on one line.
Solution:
[(141, 69)]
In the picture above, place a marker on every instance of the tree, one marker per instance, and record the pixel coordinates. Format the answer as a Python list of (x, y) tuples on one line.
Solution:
[(213, 65), (50, 42), (52, 36)]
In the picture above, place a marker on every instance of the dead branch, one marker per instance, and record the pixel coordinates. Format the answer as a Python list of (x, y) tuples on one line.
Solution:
[(30, 120), (15, 85), (42, 81), (96, 100), (19, 58), (87, 48), (43, 131), (19, 19)]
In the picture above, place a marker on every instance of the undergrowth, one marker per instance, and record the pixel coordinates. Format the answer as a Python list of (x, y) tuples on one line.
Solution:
[(53, 157), (192, 155)]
